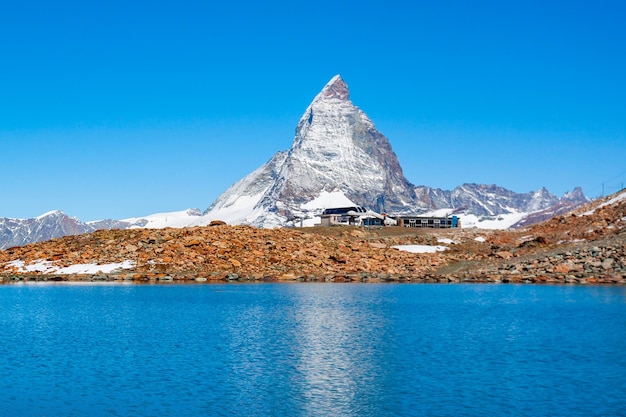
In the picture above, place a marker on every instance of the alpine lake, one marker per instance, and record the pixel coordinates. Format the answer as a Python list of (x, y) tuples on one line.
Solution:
[(312, 349)]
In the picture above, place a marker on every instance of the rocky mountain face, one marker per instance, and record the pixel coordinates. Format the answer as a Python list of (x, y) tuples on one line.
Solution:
[(565, 204), (492, 200), (17, 232), (54, 224), (337, 149)]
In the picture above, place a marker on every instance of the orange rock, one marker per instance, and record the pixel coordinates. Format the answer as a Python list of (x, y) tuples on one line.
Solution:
[(287, 277)]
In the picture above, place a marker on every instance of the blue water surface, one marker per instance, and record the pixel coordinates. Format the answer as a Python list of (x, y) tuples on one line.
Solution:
[(312, 350)]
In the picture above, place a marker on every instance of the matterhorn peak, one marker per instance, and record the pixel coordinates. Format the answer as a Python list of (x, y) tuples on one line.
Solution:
[(336, 150), (336, 88)]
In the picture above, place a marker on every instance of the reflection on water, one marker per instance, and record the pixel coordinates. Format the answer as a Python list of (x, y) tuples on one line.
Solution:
[(312, 349), (312, 339), (335, 349)]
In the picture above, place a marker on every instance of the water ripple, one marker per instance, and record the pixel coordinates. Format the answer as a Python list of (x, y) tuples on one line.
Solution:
[(312, 349)]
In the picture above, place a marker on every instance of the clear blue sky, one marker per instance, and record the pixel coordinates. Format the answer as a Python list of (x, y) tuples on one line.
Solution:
[(118, 109)]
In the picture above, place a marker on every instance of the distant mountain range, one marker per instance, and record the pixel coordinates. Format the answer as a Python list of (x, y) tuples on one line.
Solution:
[(338, 158), (18, 232)]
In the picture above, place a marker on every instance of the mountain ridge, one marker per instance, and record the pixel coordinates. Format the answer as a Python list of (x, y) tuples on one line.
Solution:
[(337, 158)]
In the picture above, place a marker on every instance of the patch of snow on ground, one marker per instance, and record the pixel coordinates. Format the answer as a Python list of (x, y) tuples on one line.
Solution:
[(480, 239), (47, 267), (93, 268), (446, 240), (420, 248)]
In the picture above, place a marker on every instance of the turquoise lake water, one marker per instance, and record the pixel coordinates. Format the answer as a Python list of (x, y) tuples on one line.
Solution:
[(312, 350)]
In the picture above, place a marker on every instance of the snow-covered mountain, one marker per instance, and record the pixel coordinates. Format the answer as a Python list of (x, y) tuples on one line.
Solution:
[(337, 152), (494, 207), (18, 232), (565, 204), (339, 158)]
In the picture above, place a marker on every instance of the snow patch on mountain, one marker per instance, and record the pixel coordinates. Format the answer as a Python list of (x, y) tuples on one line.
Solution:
[(328, 199), (52, 213), (238, 209)]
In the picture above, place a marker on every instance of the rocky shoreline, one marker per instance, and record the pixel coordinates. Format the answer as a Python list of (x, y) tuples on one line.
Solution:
[(357, 256), (584, 247), (600, 262)]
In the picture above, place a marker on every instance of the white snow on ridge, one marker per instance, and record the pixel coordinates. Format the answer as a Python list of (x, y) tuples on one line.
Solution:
[(240, 210), (501, 221), (246, 210), (440, 213), (446, 240), (328, 199), (621, 196), (49, 213), (47, 267), (177, 219)]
